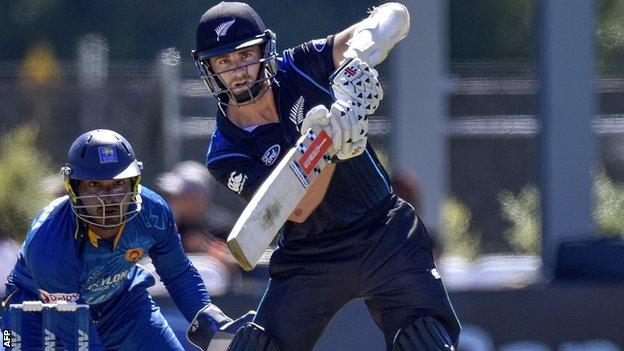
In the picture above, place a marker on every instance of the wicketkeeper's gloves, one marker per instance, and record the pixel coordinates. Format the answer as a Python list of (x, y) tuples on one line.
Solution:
[(211, 323)]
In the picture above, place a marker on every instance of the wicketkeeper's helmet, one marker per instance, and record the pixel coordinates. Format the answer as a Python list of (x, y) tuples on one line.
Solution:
[(227, 27), (103, 154)]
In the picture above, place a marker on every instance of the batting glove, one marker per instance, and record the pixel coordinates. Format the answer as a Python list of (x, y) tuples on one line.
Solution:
[(354, 80), (345, 122)]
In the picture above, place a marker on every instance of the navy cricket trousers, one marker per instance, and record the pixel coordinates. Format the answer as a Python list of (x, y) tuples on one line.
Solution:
[(388, 264)]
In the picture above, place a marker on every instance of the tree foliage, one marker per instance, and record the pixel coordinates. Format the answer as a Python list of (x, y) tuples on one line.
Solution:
[(610, 31), (522, 211), (609, 206), (24, 169), (459, 240)]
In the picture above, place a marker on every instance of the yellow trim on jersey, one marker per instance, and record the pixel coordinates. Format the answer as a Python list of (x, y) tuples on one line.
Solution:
[(118, 236), (93, 238)]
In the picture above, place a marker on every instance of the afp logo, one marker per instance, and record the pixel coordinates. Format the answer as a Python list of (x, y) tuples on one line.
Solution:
[(271, 155), (11, 339)]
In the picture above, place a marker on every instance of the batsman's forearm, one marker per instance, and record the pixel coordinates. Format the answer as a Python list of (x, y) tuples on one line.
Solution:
[(314, 195), (340, 45)]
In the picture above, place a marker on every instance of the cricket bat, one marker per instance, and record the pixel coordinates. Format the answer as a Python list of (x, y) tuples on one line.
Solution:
[(277, 197)]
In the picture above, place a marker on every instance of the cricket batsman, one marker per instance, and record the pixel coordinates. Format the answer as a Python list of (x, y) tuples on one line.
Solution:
[(84, 247), (350, 236)]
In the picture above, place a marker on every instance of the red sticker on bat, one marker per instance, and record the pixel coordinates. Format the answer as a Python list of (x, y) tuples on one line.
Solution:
[(314, 152)]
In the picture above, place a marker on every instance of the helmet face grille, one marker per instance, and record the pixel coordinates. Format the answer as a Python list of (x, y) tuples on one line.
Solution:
[(225, 28), (255, 89), (103, 155), (107, 211)]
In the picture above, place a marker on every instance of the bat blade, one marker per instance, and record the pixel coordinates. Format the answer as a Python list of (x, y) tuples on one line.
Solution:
[(277, 197)]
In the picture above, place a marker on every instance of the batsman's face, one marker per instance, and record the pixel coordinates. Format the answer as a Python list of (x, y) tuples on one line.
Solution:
[(238, 69), (105, 200)]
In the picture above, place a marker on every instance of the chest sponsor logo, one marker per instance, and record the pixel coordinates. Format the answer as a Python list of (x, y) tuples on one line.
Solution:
[(296, 112), (271, 155), (108, 282), (237, 182), (47, 297), (134, 255)]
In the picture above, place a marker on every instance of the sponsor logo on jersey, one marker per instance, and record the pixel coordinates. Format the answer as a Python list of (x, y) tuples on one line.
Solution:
[(271, 155), (107, 153), (222, 29), (108, 282), (47, 297), (237, 182), (319, 44), (296, 112), (134, 255)]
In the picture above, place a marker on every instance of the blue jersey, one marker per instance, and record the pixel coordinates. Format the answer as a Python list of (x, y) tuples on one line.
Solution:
[(242, 159), (57, 263)]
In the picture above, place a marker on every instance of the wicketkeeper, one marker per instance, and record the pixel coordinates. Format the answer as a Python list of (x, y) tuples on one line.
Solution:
[(84, 248)]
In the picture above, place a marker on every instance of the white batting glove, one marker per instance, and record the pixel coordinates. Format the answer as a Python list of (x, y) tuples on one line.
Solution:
[(345, 122), (354, 80), (318, 116)]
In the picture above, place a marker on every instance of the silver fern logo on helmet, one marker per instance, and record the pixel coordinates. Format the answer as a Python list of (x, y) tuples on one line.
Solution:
[(222, 29)]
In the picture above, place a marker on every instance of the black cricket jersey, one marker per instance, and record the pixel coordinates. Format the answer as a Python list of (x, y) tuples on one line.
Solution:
[(359, 191)]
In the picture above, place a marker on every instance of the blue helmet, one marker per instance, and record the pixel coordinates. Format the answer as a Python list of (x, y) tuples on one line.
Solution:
[(103, 154)]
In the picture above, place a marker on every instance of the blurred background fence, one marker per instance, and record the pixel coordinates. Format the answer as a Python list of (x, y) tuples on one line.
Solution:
[(167, 114)]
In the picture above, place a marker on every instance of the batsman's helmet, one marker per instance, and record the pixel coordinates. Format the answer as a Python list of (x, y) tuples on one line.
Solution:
[(227, 27), (103, 154)]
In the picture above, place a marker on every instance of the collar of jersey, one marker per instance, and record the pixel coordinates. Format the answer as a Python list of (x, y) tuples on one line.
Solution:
[(94, 238), (234, 133)]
